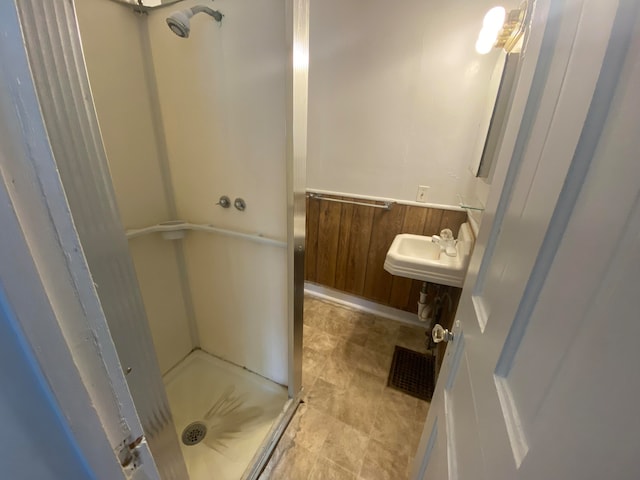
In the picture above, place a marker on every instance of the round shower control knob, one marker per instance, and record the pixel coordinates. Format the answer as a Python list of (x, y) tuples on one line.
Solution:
[(224, 202), (240, 204), (440, 334)]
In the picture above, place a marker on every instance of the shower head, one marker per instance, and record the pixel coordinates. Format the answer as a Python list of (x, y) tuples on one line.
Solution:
[(179, 21)]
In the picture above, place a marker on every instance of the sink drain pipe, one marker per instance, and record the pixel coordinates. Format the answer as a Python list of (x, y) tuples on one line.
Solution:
[(424, 310)]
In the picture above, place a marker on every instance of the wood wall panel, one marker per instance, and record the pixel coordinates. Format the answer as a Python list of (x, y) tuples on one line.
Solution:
[(347, 244), (311, 239), (342, 258), (377, 284), (359, 239), (328, 241)]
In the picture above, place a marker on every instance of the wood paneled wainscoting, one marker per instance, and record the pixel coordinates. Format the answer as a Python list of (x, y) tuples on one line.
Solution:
[(346, 247)]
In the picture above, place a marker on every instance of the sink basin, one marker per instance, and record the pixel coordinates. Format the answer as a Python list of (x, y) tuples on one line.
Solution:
[(417, 246), (419, 258)]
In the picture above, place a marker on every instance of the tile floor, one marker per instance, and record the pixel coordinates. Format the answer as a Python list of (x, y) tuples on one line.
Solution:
[(351, 425)]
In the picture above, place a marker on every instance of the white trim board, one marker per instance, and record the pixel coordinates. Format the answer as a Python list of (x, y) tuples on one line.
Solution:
[(361, 304)]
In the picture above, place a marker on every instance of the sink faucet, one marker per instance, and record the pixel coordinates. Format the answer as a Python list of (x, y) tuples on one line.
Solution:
[(446, 242)]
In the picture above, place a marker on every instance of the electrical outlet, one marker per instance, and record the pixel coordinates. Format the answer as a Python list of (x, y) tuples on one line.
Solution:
[(422, 193)]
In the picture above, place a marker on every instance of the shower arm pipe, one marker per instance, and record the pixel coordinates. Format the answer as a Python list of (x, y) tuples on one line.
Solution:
[(177, 226), (201, 8)]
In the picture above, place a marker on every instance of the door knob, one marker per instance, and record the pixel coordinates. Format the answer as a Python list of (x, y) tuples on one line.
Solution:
[(440, 334)]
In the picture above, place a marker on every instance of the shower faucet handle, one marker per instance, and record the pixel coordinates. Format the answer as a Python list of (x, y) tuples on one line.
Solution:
[(240, 204), (224, 201)]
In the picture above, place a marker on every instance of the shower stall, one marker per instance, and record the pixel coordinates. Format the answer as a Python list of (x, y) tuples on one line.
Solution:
[(179, 132)]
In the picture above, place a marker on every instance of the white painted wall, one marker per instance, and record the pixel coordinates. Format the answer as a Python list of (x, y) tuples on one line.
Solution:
[(223, 105), (111, 38), (396, 94)]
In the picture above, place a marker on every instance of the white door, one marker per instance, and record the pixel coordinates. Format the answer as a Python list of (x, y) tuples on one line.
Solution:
[(540, 380)]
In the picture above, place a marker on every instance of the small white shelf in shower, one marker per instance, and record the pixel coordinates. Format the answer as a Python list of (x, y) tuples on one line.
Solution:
[(247, 405)]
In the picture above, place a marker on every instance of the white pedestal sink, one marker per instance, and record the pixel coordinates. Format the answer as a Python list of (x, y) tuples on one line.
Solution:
[(419, 258)]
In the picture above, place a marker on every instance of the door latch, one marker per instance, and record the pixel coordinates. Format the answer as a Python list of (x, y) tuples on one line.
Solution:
[(128, 454)]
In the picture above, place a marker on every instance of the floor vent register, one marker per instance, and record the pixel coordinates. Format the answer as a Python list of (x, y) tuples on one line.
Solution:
[(412, 373)]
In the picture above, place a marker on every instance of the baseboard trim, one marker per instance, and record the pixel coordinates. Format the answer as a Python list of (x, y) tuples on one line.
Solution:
[(361, 304)]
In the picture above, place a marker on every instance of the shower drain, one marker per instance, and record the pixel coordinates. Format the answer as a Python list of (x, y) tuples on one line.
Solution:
[(194, 433)]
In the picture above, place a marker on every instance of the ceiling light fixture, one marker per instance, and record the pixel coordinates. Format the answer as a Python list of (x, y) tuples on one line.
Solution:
[(501, 29)]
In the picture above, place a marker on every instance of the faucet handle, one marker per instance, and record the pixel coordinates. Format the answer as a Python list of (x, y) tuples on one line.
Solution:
[(446, 234)]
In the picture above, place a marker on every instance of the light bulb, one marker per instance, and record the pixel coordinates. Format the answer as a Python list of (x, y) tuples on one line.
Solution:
[(491, 25), (482, 46), (486, 39), (494, 19)]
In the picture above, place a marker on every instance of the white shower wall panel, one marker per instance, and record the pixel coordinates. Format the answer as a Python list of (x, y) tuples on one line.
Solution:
[(114, 56), (240, 297), (223, 101), (159, 279), (222, 94)]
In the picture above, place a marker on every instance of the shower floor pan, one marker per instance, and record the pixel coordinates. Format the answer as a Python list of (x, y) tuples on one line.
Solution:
[(234, 408)]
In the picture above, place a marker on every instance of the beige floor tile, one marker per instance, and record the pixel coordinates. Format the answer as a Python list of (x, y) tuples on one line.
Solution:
[(310, 312), (338, 321), (307, 332), (359, 326), (412, 338), (319, 340), (362, 397), (315, 315), (308, 380), (422, 409), (345, 446), (381, 342), (380, 463), (309, 428), (382, 326), (414, 440), (346, 361), (326, 397), (366, 359), (313, 361), (368, 382), (396, 401), (409, 467), (363, 319), (345, 347), (395, 431), (395, 424), (312, 320), (312, 303), (357, 334), (325, 469), (358, 413), (337, 371)]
